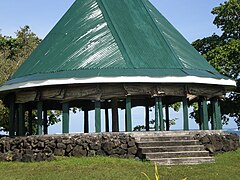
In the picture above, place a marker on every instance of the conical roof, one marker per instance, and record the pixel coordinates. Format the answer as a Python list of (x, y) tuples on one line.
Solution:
[(110, 41)]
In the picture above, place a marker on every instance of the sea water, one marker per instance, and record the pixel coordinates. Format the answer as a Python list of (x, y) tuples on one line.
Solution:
[(233, 131)]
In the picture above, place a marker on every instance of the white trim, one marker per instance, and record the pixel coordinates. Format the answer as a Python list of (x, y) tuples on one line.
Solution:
[(120, 79)]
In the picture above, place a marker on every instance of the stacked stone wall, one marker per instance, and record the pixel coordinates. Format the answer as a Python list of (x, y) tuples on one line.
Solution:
[(47, 147), (219, 143), (41, 148)]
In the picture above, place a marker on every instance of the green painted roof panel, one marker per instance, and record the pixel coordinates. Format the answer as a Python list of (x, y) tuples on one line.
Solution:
[(80, 40), (185, 53), (143, 43), (113, 38)]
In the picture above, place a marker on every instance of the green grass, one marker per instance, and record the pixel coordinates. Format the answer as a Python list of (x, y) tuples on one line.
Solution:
[(227, 166)]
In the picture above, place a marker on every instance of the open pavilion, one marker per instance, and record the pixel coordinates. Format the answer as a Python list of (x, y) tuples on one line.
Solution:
[(110, 54)]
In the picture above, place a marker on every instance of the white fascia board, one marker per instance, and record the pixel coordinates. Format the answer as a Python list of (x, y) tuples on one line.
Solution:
[(120, 79)]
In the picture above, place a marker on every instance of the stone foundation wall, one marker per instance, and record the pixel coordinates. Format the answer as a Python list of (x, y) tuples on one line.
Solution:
[(219, 143), (41, 148)]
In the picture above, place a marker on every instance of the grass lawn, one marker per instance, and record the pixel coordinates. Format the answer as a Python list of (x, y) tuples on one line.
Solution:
[(227, 166)]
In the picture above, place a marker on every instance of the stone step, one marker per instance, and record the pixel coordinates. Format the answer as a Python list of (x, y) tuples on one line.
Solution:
[(183, 161), (174, 133), (179, 154), (161, 133), (167, 143), (171, 148), (165, 138)]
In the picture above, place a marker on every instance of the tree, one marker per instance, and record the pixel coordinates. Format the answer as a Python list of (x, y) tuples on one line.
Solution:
[(223, 52), (13, 52)]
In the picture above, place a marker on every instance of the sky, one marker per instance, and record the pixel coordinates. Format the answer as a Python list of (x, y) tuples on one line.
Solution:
[(192, 18)]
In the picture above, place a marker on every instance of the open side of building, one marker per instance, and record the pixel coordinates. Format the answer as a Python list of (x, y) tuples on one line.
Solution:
[(110, 54)]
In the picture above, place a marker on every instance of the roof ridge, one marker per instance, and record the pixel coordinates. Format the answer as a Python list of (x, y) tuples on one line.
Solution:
[(114, 32), (159, 30)]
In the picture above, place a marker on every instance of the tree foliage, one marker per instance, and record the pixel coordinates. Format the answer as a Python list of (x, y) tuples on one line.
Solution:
[(228, 19), (13, 52), (223, 52)]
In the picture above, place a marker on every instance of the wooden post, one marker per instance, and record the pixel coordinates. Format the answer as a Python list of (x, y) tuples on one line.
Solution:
[(39, 115), (212, 116), (97, 116), (160, 106), (16, 124), (65, 118), (128, 120), (12, 116), (86, 122), (200, 114), (106, 120), (115, 121), (185, 115), (205, 114), (147, 117), (45, 122), (167, 117), (218, 114), (30, 124), (156, 114), (21, 120)]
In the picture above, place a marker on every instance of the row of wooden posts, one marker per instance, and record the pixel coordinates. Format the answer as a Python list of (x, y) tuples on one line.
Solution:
[(17, 116)]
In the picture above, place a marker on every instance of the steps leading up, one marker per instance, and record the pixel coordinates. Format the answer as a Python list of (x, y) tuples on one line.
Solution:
[(172, 149), (183, 161), (166, 138), (176, 154), (167, 143)]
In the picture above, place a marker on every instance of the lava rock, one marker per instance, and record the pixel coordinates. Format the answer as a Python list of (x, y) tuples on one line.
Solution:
[(61, 146), (59, 152), (79, 151), (132, 150), (27, 158), (107, 146)]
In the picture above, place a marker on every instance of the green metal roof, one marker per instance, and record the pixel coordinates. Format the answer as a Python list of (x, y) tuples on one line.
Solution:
[(112, 38)]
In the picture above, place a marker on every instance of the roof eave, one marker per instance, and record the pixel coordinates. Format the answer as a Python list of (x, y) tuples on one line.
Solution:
[(228, 84)]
